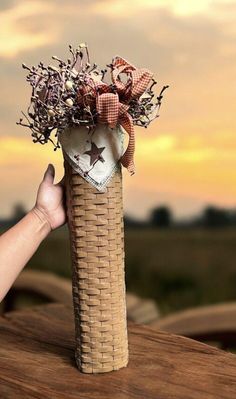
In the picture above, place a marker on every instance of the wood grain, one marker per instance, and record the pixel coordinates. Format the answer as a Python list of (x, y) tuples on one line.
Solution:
[(37, 361)]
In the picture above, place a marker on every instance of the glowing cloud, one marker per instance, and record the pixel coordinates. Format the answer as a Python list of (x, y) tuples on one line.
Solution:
[(22, 151), (14, 39), (117, 8)]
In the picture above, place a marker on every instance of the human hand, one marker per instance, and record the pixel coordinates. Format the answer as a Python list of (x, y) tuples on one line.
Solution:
[(50, 202)]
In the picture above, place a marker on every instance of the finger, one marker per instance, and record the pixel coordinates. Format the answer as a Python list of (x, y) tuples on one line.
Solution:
[(49, 174)]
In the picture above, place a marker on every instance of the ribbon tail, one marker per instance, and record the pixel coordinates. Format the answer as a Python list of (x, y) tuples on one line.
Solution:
[(127, 158)]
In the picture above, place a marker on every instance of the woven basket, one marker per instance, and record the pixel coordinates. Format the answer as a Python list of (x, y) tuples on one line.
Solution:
[(95, 221)]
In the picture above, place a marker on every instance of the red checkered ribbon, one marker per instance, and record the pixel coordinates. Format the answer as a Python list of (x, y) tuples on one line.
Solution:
[(113, 107)]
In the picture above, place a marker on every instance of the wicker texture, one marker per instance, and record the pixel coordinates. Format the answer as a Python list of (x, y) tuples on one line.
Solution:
[(96, 228)]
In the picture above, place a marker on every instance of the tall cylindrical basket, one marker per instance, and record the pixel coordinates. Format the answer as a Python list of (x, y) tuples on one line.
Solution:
[(95, 221), (90, 115)]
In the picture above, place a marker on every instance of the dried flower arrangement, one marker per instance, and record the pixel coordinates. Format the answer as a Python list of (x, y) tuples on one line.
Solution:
[(66, 95), (88, 115)]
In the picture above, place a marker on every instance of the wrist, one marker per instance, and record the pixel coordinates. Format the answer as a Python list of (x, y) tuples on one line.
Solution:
[(44, 224)]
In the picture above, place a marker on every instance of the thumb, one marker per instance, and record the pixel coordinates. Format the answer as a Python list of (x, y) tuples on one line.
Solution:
[(49, 174), (61, 182)]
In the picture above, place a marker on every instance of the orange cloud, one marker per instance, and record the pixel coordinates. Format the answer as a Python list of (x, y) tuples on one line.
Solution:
[(192, 165), (122, 8), (23, 153), (14, 40)]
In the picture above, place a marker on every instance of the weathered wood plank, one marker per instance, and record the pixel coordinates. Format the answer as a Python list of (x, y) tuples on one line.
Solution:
[(205, 322), (37, 361)]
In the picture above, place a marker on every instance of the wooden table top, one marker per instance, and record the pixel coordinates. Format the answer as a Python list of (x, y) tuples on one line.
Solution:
[(37, 361)]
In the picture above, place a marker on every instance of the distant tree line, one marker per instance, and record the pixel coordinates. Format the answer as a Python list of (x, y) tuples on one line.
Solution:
[(159, 217), (162, 217)]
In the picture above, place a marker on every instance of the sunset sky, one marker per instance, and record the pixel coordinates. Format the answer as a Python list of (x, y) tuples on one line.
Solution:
[(185, 159)]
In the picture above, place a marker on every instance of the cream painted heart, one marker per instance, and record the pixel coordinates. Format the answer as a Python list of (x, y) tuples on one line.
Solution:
[(94, 154)]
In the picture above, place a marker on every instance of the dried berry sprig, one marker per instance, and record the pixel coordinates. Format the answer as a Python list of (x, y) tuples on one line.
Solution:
[(64, 95)]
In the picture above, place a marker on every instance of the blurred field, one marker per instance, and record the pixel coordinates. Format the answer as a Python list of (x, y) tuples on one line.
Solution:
[(177, 268)]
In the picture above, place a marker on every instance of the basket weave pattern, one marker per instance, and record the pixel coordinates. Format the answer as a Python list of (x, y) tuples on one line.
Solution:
[(96, 228)]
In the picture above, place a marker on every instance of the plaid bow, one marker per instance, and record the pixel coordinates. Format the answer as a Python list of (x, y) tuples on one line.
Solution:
[(113, 107)]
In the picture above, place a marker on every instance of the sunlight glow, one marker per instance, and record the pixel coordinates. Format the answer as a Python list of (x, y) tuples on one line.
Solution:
[(22, 151)]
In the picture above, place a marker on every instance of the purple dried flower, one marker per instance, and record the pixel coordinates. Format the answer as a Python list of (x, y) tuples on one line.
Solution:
[(65, 95)]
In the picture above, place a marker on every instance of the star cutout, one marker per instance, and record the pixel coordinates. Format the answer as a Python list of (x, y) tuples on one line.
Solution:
[(95, 153)]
